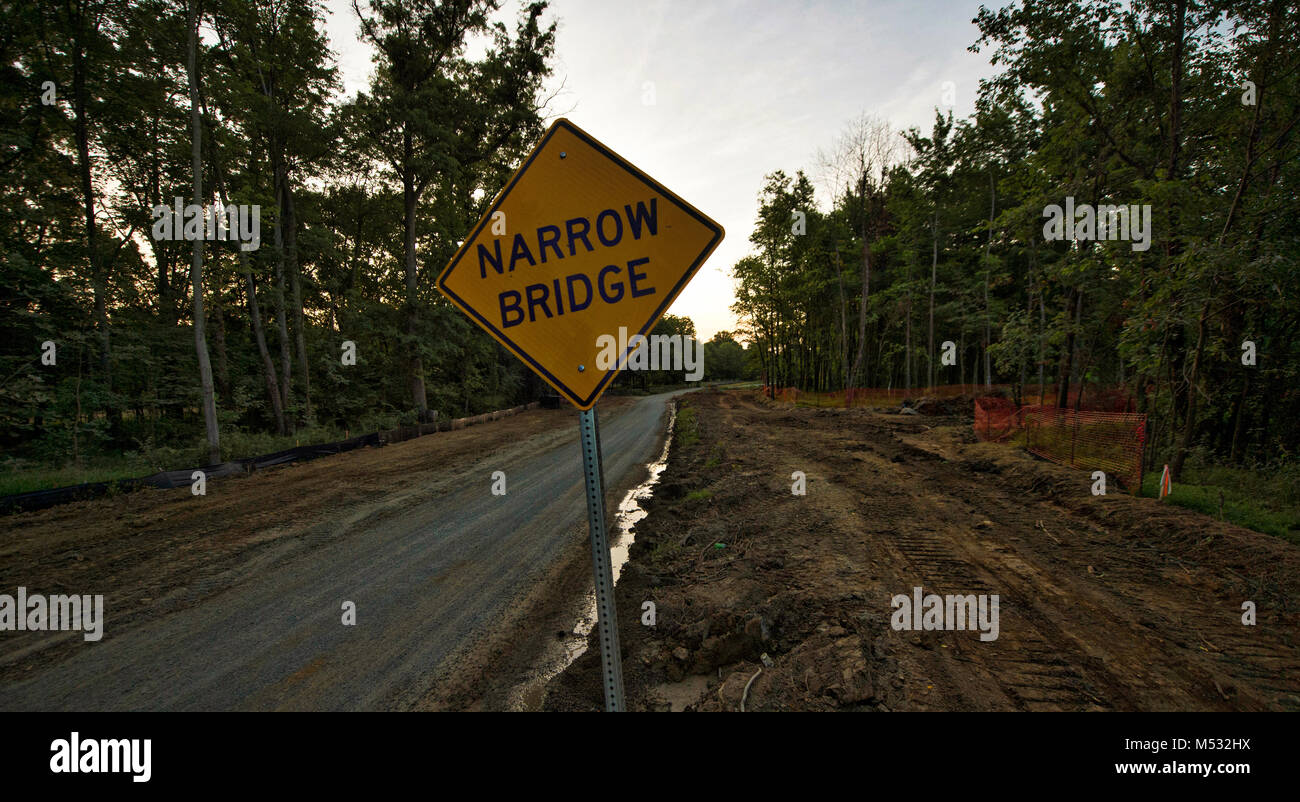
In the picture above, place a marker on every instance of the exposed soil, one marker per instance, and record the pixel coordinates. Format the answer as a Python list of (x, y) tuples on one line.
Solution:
[(153, 552), (1106, 602)]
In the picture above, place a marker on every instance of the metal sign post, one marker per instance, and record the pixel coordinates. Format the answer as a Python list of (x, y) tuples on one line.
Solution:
[(611, 660)]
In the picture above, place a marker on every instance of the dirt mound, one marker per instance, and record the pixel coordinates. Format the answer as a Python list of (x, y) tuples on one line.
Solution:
[(961, 405)]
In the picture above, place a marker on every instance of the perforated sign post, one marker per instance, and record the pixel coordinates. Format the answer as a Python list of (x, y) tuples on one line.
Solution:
[(578, 246)]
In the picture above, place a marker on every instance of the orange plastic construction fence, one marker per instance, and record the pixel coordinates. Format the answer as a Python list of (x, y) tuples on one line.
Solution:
[(1095, 397), (997, 419), (865, 396), (1086, 439)]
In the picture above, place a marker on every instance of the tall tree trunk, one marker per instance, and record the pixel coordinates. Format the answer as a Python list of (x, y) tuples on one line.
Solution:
[(162, 264), (1067, 354), (268, 365), (934, 272), (961, 364), (1024, 367), (196, 258), (219, 339), (1042, 349), (286, 368), (162, 259), (862, 313), (1238, 421), (907, 350), (295, 285), (1078, 367), (97, 277), (1193, 396), (254, 310), (844, 323), (410, 197), (1178, 24), (1039, 283), (988, 255)]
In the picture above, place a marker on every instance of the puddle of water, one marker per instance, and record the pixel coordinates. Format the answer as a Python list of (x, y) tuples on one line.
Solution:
[(679, 695), (629, 512), (626, 517)]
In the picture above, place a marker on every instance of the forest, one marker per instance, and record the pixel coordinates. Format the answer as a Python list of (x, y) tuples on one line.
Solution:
[(1117, 215), (209, 251), (1166, 131)]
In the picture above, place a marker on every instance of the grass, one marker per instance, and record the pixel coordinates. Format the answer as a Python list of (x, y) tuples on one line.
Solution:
[(14, 481), (665, 550), (26, 476), (687, 428), (697, 495), (1253, 499)]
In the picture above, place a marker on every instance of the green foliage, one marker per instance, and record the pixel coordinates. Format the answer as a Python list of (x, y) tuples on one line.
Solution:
[(1259, 500), (336, 205), (686, 431), (724, 358), (943, 240)]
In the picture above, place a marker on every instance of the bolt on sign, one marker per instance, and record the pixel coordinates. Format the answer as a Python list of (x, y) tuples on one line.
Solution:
[(579, 243)]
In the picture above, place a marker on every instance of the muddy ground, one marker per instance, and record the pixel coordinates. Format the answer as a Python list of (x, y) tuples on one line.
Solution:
[(156, 552), (1106, 603)]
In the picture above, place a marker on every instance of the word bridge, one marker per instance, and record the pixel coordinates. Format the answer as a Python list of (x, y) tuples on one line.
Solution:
[(579, 288)]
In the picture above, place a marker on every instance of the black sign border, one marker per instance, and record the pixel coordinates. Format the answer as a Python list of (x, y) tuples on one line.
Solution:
[(562, 123)]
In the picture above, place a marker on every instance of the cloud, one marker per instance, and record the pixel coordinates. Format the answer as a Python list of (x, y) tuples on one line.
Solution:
[(740, 89)]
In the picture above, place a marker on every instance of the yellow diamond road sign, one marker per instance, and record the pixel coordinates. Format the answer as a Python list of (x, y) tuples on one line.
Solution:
[(579, 244)]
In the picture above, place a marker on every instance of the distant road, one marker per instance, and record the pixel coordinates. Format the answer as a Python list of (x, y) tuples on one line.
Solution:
[(427, 580)]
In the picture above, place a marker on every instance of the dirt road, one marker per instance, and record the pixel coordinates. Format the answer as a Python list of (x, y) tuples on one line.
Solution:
[(234, 600), (1106, 603)]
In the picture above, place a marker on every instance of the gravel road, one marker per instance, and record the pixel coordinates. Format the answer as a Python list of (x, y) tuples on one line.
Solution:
[(430, 574)]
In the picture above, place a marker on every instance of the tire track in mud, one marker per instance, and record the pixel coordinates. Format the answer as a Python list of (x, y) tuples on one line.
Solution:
[(1025, 663), (1139, 610), (1066, 642)]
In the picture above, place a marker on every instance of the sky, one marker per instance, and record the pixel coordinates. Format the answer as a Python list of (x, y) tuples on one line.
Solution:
[(708, 97)]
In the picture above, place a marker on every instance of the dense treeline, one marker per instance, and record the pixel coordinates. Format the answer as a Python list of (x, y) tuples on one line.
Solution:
[(1190, 108), (111, 108)]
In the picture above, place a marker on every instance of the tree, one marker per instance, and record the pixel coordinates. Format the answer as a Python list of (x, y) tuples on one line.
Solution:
[(933, 165), (431, 114), (724, 358), (196, 259), (858, 166), (281, 83)]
